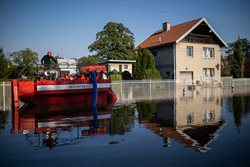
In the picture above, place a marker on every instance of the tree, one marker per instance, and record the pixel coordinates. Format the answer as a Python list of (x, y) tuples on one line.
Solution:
[(126, 75), (145, 66), (23, 63), (238, 60), (4, 65), (245, 47), (115, 41), (89, 60), (228, 61)]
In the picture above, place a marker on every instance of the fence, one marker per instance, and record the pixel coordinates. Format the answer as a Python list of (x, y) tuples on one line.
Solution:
[(5, 96), (134, 90)]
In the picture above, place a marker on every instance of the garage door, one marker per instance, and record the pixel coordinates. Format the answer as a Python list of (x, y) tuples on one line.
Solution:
[(186, 78)]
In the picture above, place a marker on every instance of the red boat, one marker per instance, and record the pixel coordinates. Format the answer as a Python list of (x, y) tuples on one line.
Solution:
[(69, 92)]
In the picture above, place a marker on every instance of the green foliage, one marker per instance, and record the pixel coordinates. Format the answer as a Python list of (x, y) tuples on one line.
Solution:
[(3, 65), (22, 63), (226, 65), (115, 41), (3, 120), (145, 66), (232, 62), (115, 77), (238, 60), (126, 75), (89, 60), (146, 111), (122, 120), (239, 109)]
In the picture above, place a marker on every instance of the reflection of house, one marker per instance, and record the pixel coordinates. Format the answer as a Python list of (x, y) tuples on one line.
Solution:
[(193, 120), (119, 65), (189, 52)]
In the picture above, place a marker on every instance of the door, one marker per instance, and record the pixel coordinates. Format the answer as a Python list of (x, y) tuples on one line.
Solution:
[(186, 77)]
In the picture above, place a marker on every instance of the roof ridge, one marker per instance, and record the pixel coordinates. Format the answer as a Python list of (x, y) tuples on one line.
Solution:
[(175, 33), (161, 31), (195, 20)]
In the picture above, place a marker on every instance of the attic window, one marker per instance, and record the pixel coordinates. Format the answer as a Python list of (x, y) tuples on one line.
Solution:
[(189, 51)]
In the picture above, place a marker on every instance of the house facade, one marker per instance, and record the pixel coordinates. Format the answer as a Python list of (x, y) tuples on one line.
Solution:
[(189, 52), (119, 66)]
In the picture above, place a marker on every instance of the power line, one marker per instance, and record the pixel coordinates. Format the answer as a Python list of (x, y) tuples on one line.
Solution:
[(179, 14)]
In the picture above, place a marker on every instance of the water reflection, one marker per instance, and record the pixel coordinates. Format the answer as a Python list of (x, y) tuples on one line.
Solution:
[(3, 119), (192, 120), (241, 107), (60, 128), (56, 128)]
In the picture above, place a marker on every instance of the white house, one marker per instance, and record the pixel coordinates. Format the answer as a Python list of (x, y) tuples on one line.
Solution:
[(119, 65)]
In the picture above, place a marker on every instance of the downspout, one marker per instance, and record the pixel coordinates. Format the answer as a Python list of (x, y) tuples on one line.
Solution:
[(95, 90), (175, 82), (174, 56)]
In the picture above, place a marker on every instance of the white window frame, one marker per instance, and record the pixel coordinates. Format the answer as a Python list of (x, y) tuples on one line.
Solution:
[(190, 52), (208, 73), (125, 66), (208, 53)]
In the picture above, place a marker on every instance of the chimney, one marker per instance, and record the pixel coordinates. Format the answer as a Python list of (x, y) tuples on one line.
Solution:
[(166, 26)]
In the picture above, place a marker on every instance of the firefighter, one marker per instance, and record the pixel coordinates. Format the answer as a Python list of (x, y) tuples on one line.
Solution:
[(46, 60), (50, 73)]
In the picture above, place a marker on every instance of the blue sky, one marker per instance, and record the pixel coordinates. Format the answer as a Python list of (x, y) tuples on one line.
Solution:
[(68, 27)]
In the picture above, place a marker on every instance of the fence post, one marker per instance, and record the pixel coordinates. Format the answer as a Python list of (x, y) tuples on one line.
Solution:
[(150, 93), (4, 105), (245, 85), (121, 86)]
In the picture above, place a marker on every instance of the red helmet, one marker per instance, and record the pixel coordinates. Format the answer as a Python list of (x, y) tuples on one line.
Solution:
[(49, 53)]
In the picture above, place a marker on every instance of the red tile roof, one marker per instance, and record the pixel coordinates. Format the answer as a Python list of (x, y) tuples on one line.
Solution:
[(161, 37)]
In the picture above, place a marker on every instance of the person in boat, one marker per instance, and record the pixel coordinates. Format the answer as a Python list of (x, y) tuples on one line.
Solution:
[(47, 59)]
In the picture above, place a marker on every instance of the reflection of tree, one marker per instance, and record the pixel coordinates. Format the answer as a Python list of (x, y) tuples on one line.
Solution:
[(122, 119), (238, 109), (3, 119), (146, 111)]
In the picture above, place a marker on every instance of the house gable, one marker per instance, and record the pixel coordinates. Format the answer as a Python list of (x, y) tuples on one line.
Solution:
[(178, 32), (202, 32)]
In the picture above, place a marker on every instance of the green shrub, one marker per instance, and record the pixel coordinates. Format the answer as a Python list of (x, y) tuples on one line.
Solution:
[(126, 75), (115, 77)]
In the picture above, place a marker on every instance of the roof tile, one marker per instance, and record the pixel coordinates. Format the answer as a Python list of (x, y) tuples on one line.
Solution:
[(161, 37)]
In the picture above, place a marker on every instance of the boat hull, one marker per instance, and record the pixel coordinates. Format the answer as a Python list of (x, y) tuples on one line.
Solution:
[(57, 95)]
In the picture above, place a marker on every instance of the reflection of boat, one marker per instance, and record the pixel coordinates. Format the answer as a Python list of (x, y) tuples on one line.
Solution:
[(66, 93), (27, 122), (50, 130)]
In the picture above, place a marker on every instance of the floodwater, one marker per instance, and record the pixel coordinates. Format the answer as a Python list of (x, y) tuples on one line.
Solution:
[(206, 127)]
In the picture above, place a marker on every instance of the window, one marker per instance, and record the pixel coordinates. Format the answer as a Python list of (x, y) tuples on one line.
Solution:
[(208, 73), (208, 115), (208, 53), (120, 68), (125, 66), (189, 51), (190, 118)]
